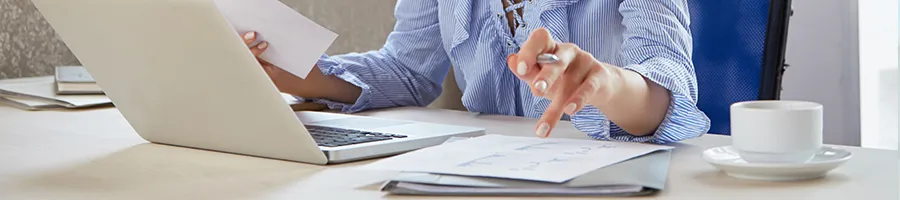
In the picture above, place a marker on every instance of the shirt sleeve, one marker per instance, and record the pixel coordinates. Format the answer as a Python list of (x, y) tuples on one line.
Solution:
[(657, 45), (407, 71)]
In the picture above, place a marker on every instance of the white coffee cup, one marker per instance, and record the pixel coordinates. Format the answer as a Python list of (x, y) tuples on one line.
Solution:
[(776, 131)]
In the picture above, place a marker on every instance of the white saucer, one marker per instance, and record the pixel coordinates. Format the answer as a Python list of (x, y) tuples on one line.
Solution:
[(727, 159)]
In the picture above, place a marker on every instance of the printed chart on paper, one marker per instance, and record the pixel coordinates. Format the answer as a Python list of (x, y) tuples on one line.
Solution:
[(526, 158)]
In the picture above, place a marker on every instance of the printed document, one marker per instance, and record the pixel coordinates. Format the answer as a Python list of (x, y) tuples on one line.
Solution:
[(295, 42), (555, 160)]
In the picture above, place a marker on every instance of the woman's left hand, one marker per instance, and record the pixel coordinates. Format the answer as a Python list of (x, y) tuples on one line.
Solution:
[(575, 80)]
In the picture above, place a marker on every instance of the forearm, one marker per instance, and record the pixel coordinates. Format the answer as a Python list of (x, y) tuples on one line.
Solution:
[(636, 104), (319, 86), (656, 48), (356, 82)]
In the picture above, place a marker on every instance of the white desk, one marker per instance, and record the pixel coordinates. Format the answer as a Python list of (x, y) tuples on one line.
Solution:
[(94, 154)]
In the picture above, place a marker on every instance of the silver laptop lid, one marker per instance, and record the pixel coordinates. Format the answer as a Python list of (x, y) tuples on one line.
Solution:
[(180, 75)]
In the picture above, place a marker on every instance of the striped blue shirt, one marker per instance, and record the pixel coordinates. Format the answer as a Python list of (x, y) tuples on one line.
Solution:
[(473, 38)]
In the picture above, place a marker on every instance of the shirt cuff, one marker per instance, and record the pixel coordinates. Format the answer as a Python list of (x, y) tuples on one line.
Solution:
[(332, 67), (683, 120)]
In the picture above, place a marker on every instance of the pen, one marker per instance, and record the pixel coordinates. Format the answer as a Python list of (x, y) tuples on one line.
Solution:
[(547, 58)]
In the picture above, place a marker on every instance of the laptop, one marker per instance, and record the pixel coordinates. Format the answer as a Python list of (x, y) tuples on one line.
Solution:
[(181, 75)]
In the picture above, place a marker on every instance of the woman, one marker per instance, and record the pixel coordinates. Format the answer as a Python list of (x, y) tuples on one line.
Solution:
[(624, 68)]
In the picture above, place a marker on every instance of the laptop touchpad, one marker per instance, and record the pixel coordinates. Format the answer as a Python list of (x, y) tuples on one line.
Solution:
[(360, 123)]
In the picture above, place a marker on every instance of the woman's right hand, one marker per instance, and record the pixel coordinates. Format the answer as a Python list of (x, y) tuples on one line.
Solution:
[(286, 82), (316, 84)]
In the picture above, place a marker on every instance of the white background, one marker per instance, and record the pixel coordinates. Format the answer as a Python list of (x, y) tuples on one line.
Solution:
[(878, 48), (837, 50)]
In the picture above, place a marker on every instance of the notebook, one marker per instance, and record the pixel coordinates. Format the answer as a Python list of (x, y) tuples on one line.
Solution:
[(75, 80)]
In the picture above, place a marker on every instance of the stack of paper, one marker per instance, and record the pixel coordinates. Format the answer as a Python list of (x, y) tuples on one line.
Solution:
[(494, 165), (37, 93)]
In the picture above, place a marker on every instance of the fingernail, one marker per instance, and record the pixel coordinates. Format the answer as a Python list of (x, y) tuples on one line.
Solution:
[(249, 36), (542, 130), (541, 86), (522, 68), (570, 109), (263, 45)]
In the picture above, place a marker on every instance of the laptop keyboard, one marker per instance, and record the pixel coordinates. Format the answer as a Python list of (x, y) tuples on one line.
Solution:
[(335, 137)]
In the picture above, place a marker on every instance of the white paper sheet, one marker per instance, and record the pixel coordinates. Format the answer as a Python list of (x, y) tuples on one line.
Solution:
[(27, 104), (295, 42), (525, 158)]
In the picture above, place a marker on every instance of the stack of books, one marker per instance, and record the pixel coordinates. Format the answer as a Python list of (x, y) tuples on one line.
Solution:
[(75, 80)]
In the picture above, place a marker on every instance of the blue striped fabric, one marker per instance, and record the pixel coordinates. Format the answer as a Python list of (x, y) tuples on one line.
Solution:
[(472, 37)]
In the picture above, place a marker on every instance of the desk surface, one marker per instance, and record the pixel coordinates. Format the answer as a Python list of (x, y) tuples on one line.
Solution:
[(94, 154)]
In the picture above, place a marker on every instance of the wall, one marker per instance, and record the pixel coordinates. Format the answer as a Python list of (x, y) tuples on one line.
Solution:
[(29, 46), (886, 121), (823, 53), (878, 50)]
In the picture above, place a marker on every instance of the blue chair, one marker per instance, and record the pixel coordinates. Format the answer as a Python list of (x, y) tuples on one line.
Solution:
[(738, 53)]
